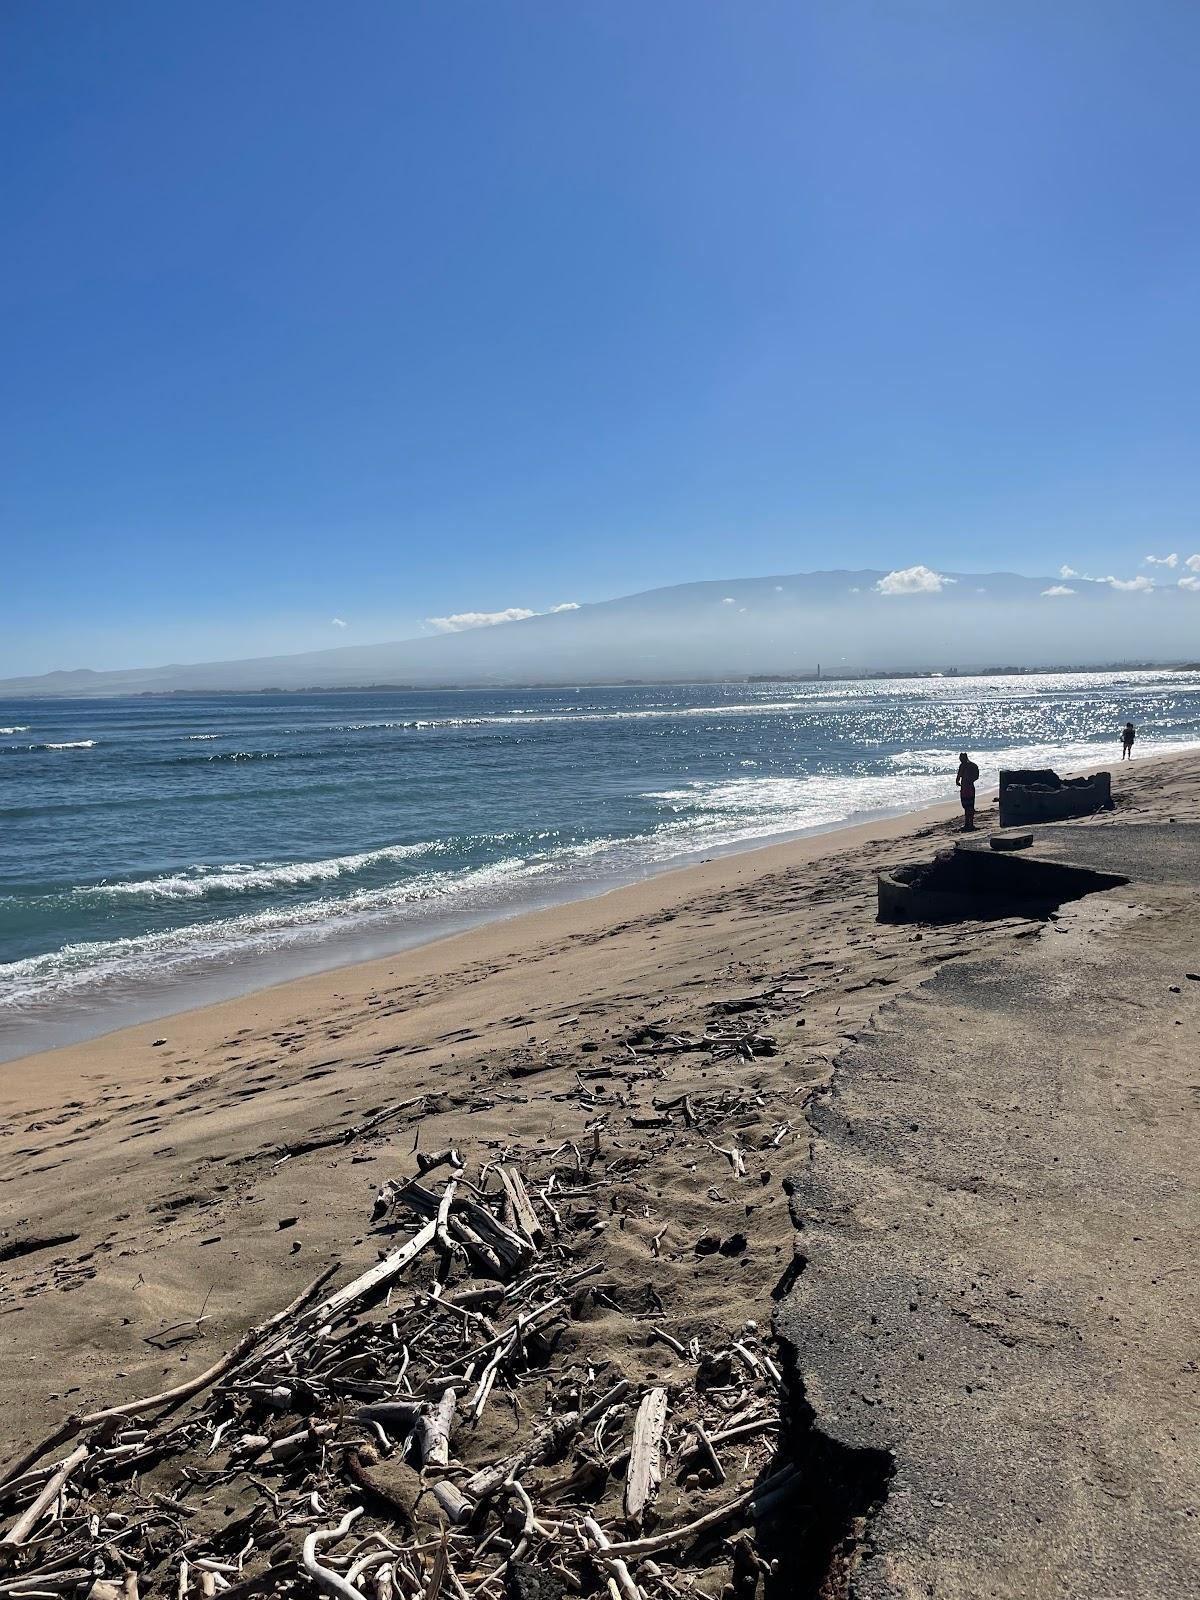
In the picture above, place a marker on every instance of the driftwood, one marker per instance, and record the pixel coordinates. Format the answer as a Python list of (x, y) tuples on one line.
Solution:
[(429, 1424), (547, 1442), (452, 1501), (28, 1520), (474, 1225), (524, 1215), (298, 1420), (431, 1430), (641, 1484), (181, 1391), (66, 1578), (705, 1447), (428, 1160), (667, 1538), (324, 1577), (610, 1559), (324, 1141), (382, 1272)]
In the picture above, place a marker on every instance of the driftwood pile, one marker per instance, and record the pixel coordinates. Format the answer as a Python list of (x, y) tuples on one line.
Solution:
[(435, 1426)]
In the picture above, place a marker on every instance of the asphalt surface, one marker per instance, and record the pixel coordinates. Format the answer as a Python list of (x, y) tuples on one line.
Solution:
[(1001, 1221)]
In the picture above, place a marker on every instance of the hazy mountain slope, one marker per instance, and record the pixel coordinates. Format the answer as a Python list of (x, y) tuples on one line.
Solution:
[(784, 624)]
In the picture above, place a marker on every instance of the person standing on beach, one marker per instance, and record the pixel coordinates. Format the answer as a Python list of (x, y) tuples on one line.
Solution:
[(1128, 735), (966, 779)]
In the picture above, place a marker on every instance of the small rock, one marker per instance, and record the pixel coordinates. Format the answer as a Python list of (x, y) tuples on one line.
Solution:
[(714, 1370), (154, 1043), (708, 1244), (525, 1581), (287, 1222)]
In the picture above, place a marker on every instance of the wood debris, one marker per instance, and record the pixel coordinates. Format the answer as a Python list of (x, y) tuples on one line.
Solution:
[(427, 1430)]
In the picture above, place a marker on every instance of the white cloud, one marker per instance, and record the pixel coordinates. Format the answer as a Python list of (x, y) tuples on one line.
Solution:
[(728, 600), (1161, 561), (1190, 583), (778, 588), (1057, 589), (913, 580), (1068, 572), (1138, 585), (1193, 563), (336, 622), (460, 621)]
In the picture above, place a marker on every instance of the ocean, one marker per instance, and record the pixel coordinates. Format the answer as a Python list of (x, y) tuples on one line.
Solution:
[(159, 853)]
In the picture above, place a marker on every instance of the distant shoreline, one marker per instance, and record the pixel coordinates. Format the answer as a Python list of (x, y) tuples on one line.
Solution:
[(516, 685)]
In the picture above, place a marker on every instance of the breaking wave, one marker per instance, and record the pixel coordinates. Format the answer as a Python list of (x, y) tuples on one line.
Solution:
[(206, 882), (99, 962), (1067, 757), (241, 756), (66, 744)]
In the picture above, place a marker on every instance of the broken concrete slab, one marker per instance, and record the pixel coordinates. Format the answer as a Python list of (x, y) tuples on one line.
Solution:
[(1029, 796), (970, 882)]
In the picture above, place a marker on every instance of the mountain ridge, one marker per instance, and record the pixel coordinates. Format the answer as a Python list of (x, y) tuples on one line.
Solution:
[(779, 624)]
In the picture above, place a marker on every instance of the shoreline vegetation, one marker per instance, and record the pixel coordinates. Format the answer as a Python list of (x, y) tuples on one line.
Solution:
[(629, 1088)]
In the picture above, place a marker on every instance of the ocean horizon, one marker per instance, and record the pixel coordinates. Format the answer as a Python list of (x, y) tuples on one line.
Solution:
[(161, 853)]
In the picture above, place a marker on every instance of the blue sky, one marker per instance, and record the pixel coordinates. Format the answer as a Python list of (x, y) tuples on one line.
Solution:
[(392, 310)]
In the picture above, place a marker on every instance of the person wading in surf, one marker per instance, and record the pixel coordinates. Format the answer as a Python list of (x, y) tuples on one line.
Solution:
[(1128, 735), (966, 779)]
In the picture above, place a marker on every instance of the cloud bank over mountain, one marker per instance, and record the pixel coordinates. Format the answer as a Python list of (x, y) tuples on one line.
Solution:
[(910, 619), (463, 621)]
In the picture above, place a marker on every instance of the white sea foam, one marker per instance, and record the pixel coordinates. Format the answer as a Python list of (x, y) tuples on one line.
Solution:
[(236, 877), (725, 813), (195, 737), (525, 718), (244, 755), (67, 744), (416, 722), (94, 964), (1063, 758), (20, 727)]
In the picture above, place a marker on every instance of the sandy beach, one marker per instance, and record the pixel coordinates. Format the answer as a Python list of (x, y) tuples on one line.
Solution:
[(164, 1188)]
